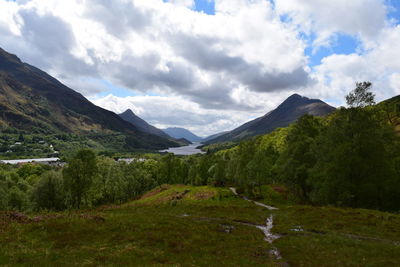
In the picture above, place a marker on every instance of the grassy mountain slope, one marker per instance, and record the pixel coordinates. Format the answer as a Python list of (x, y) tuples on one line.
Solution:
[(201, 226), (34, 101), (286, 113), (391, 107)]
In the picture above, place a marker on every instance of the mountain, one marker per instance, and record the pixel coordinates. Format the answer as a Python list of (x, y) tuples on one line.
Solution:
[(178, 133), (33, 101), (130, 117), (286, 113), (392, 109), (213, 136)]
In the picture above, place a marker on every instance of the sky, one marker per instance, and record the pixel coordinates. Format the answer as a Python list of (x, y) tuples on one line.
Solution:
[(207, 65)]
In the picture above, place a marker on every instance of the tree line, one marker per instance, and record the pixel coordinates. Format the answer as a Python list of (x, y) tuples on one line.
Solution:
[(350, 158)]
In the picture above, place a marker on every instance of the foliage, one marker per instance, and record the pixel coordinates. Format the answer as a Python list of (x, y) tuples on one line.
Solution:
[(78, 177), (49, 192), (361, 96), (153, 231)]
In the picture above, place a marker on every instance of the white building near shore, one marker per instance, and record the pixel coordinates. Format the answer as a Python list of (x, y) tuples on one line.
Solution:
[(22, 161)]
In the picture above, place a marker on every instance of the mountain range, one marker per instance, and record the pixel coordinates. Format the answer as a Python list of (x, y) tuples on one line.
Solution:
[(132, 118), (286, 113), (178, 133), (33, 101)]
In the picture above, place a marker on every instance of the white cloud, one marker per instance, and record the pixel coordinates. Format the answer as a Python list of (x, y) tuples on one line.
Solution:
[(395, 82), (169, 111), (212, 72), (337, 74), (363, 18), (184, 3)]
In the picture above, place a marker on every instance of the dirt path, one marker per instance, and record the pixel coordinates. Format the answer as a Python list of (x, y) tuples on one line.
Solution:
[(266, 229)]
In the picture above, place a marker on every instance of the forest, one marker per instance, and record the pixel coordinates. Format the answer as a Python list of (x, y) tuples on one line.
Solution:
[(350, 159)]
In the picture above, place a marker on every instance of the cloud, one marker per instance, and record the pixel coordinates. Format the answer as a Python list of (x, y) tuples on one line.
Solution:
[(164, 112), (363, 18), (244, 60), (155, 46), (184, 3), (337, 74)]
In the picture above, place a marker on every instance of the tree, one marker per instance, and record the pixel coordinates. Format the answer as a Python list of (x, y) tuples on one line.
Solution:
[(109, 184), (78, 176), (298, 158), (49, 191), (355, 166), (17, 199), (361, 96)]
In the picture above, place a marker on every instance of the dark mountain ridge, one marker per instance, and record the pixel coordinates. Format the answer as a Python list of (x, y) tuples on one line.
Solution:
[(132, 118), (33, 101), (286, 113)]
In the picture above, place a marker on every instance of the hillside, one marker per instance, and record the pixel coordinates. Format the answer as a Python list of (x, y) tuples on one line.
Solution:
[(391, 108), (213, 136), (178, 133), (286, 113), (201, 226), (141, 124), (33, 101)]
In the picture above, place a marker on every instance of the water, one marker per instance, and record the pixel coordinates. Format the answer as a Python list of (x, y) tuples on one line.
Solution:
[(185, 150)]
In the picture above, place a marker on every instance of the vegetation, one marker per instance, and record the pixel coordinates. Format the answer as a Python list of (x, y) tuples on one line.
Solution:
[(200, 226), (17, 144), (348, 159), (328, 177)]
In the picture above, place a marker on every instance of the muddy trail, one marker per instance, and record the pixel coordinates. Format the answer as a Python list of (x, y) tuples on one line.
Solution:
[(267, 228)]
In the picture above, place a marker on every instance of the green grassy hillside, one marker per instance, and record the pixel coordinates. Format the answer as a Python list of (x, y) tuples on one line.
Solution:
[(200, 226), (32, 101), (391, 107)]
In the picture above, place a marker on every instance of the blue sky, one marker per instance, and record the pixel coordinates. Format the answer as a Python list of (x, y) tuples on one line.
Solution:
[(205, 6)]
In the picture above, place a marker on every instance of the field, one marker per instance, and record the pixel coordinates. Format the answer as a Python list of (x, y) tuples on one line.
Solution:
[(200, 226)]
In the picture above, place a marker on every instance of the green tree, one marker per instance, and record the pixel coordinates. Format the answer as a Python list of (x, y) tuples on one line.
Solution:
[(109, 184), (78, 176), (354, 164), (49, 191), (361, 96), (17, 199), (3, 195), (299, 157)]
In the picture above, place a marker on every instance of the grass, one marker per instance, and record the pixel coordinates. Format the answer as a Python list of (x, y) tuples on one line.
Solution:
[(200, 226), (194, 231), (329, 236)]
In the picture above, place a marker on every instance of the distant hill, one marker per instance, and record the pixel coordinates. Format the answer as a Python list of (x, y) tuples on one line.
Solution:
[(392, 109), (286, 113), (33, 101), (213, 136), (132, 118), (178, 133)]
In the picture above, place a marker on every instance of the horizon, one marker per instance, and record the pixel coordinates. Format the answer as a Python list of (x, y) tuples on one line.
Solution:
[(209, 66)]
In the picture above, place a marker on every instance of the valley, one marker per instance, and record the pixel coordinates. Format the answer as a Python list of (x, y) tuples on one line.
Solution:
[(306, 184)]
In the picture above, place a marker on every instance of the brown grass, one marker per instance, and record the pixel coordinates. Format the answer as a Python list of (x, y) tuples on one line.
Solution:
[(204, 195), (156, 191)]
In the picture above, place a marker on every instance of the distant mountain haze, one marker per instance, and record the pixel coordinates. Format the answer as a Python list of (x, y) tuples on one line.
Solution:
[(32, 100), (286, 113), (178, 133)]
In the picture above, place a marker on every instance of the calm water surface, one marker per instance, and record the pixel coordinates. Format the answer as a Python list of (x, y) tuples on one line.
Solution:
[(185, 150)]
